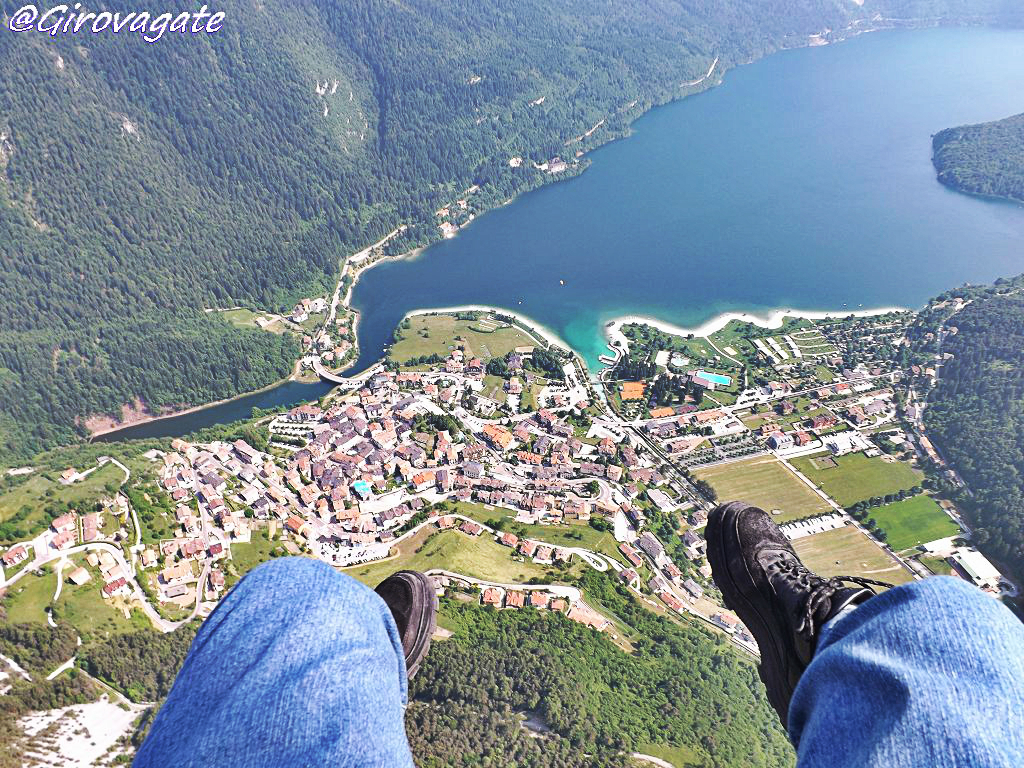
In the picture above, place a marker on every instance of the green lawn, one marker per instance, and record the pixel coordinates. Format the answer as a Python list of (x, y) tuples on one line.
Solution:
[(30, 499), (825, 374), (81, 606), (478, 557), (857, 477), (848, 552), (679, 757), (84, 607), (528, 400), (568, 535), (753, 421), (764, 481), (937, 565), (246, 556), (494, 388), (913, 522), (246, 319), (437, 335), (26, 601)]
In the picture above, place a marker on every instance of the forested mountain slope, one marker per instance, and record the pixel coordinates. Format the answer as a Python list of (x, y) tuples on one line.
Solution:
[(680, 688), (141, 183), (984, 159), (976, 411)]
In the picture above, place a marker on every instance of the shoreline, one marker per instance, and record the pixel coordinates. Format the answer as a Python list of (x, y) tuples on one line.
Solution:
[(361, 260), (612, 329), (186, 411)]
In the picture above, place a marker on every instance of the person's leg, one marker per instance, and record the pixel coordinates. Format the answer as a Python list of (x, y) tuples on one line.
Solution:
[(298, 666), (927, 674), (930, 674)]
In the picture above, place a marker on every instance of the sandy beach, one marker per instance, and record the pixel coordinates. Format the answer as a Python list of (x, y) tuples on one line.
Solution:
[(613, 328)]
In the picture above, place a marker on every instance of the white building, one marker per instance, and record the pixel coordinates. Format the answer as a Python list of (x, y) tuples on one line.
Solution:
[(977, 568)]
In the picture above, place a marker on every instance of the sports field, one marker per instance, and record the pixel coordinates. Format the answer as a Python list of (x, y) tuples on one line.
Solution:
[(913, 522), (764, 481), (855, 477), (848, 552)]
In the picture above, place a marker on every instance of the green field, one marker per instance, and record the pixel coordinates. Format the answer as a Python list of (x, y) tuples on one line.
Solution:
[(802, 413), (857, 477), (246, 556), (913, 522), (478, 557), (81, 606), (439, 334), (848, 552), (85, 608), (28, 501), (764, 481), (26, 601), (937, 565), (568, 535), (246, 319), (679, 757)]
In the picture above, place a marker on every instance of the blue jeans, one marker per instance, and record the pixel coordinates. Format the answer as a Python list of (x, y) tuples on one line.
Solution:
[(927, 674), (302, 666), (298, 666)]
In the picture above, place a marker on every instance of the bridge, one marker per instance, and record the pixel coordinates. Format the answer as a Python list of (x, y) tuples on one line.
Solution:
[(348, 382)]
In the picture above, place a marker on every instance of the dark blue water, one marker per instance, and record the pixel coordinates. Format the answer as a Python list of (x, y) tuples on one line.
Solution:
[(287, 393), (804, 181)]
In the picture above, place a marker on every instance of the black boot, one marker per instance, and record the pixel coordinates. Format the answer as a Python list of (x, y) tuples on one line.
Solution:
[(412, 598), (783, 604)]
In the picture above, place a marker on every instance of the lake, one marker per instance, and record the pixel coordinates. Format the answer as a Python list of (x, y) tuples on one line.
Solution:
[(803, 181)]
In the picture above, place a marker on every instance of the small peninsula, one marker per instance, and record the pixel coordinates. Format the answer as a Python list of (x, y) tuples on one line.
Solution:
[(985, 159)]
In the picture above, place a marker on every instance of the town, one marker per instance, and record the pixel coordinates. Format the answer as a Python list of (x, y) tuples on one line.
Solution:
[(521, 459)]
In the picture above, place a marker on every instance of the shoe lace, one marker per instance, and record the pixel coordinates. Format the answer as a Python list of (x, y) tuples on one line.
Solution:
[(819, 590)]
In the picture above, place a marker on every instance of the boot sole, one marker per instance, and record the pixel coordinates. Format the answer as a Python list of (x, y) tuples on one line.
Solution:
[(425, 624), (775, 661)]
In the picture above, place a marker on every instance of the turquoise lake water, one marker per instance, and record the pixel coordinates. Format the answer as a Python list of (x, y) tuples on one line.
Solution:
[(803, 181)]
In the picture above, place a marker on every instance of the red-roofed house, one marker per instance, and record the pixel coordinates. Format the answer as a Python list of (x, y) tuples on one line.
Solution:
[(630, 554), (15, 555)]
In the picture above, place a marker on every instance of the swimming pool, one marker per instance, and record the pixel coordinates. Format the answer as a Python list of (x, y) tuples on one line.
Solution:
[(715, 378)]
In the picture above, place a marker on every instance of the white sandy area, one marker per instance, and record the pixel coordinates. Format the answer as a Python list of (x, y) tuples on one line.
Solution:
[(536, 328), (613, 328), (104, 723)]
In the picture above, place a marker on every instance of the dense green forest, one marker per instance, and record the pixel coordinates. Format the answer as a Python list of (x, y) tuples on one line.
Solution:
[(142, 183), (976, 411), (682, 687), (985, 159)]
